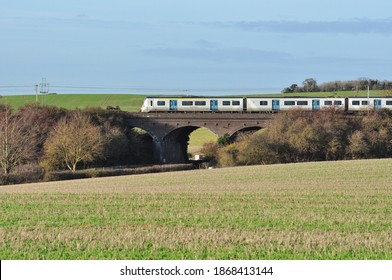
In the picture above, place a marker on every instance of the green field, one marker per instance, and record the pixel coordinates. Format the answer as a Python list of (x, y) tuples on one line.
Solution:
[(326, 210), (132, 102), (198, 137), (127, 102)]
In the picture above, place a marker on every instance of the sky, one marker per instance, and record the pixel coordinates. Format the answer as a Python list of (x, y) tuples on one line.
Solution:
[(204, 46)]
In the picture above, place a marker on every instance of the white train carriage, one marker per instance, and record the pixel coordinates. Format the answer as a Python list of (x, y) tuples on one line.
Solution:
[(259, 104), (284, 104), (337, 103), (226, 104), (364, 103), (192, 104)]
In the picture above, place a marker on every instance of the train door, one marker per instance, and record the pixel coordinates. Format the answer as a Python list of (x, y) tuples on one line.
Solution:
[(275, 105), (315, 104), (173, 105), (214, 105), (377, 103)]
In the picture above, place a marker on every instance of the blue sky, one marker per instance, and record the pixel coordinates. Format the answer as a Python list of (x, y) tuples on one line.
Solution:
[(202, 45)]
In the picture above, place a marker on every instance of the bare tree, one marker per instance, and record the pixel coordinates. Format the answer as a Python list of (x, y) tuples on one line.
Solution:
[(15, 140), (72, 141)]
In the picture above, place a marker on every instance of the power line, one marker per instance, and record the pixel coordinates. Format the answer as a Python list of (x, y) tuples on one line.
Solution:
[(18, 86), (44, 89)]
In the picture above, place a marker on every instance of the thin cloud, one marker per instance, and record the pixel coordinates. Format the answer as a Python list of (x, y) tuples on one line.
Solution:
[(206, 44), (222, 55), (353, 26), (265, 60), (76, 20)]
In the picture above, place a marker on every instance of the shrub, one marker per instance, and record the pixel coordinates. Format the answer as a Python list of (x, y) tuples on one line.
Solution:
[(108, 172), (23, 174)]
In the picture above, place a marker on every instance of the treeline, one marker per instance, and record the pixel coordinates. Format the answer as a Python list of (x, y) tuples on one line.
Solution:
[(38, 139), (296, 136), (310, 85)]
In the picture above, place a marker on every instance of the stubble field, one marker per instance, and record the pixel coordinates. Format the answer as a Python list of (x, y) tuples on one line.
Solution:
[(330, 210)]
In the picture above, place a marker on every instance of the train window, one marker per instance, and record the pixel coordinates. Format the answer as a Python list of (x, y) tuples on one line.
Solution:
[(364, 103), (226, 103), (187, 103), (289, 103), (236, 103), (302, 103), (355, 103), (151, 102), (263, 103), (327, 103), (161, 103), (337, 102), (200, 103), (389, 103)]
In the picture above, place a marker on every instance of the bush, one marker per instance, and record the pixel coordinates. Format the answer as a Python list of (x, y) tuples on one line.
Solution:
[(23, 174), (227, 156), (257, 150), (297, 136), (109, 172), (224, 140), (210, 152)]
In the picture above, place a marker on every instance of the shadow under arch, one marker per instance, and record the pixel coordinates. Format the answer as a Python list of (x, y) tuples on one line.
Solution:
[(141, 145)]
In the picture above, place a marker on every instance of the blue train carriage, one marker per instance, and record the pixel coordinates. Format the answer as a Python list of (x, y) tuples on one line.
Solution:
[(364, 103), (259, 104), (191, 104)]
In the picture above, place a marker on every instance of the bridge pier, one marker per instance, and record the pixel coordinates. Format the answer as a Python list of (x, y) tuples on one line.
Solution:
[(169, 151)]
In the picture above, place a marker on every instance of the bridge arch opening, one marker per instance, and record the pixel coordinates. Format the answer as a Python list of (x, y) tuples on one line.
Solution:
[(197, 139), (184, 143)]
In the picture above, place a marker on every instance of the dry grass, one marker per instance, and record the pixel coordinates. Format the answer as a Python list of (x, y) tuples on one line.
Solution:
[(335, 210)]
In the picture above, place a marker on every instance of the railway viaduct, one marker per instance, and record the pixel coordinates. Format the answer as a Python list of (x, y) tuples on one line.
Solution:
[(170, 131)]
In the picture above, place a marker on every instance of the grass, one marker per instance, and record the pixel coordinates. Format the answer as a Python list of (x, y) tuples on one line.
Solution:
[(127, 102), (133, 102), (329, 210), (198, 137)]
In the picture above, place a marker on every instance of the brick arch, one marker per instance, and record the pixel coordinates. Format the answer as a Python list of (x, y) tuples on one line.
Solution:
[(162, 125)]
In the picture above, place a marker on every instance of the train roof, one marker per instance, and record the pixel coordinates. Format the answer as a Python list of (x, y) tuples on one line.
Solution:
[(194, 96), (267, 97)]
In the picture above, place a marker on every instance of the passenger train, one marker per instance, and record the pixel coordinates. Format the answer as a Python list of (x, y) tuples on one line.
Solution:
[(261, 104)]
